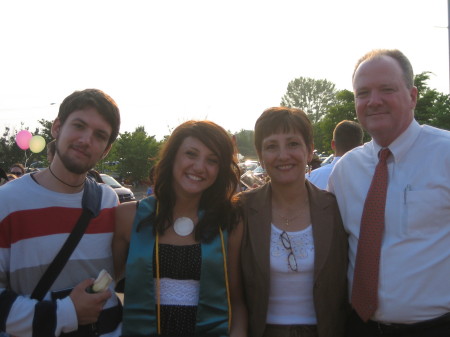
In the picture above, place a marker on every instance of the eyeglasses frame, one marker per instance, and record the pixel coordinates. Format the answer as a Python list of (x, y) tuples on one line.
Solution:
[(286, 241)]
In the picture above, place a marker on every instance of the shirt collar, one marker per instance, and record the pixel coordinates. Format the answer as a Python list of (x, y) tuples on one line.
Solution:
[(335, 160), (403, 143)]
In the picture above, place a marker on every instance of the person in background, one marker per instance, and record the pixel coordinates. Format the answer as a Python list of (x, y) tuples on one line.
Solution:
[(314, 163), (346, 136), (37, 215), (11, 177), (294, 249), (181, 245), (17, 169), (3, 177), (151, 181), (411, 262)]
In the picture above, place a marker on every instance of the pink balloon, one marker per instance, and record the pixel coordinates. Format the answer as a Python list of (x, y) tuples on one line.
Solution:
[(23, 139)]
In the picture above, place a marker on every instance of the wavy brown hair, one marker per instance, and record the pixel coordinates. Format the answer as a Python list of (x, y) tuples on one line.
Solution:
[(217, 202)]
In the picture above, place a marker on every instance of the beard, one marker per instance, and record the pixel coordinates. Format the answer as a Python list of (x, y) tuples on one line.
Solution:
[(72, 165)]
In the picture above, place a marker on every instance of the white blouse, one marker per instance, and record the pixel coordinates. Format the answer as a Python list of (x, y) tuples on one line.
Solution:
[(291, 292)]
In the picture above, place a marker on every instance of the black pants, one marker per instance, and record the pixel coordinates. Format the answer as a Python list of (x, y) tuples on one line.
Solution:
[(438, 327), (290, 331)]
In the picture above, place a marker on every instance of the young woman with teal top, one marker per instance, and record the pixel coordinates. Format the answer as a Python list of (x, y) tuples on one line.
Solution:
[(181, 246)]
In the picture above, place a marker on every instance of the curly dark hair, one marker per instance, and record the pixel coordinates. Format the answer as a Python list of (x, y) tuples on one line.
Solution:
[(217, 201)]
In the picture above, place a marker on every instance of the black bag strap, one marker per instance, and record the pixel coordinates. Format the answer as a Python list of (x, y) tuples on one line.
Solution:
[(91, 202)]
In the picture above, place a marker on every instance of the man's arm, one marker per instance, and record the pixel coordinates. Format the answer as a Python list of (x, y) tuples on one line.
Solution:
[(22, 316)]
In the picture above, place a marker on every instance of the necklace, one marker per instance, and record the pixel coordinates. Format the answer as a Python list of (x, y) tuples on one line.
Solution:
[(74, 186), (183, 226), (287, 219)]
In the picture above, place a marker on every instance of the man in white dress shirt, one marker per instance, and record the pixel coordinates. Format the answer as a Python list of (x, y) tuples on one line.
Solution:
[(414, 286), (346, 136)]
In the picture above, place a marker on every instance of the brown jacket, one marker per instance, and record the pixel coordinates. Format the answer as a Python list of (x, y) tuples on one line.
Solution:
[(330, 274)]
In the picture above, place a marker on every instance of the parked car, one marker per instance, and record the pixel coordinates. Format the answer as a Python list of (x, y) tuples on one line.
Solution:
[(248, 165), (124, 194), (327, 160)]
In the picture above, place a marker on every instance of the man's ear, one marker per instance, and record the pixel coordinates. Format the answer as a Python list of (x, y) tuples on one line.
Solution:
[(56, 127), (105, 153), (413, 93), (333, 145)]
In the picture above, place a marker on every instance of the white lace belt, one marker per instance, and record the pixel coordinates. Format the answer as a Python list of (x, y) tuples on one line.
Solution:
[(178, 292)]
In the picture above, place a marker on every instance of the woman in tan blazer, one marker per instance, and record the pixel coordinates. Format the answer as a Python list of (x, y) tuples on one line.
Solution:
[(294, 250)]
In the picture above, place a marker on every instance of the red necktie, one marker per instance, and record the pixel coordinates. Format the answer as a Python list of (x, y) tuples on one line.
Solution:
[(365, 279)]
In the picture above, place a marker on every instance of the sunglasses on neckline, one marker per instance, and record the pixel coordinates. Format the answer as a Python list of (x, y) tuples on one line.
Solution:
[(17, 174)]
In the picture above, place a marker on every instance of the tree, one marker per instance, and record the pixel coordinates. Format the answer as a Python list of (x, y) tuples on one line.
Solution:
[(10, 153), (312, 96), (136, 153), (344, 109), (245, 143), (432, 108), (46, 130)]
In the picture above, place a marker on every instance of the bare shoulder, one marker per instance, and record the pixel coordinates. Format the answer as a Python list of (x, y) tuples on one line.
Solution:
[(125, 214), (235, 235)]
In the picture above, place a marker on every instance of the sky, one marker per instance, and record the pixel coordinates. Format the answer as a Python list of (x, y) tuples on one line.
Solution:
[(165, 62)]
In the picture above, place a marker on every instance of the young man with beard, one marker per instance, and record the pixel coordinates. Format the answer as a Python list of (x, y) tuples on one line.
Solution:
[(37, 215)]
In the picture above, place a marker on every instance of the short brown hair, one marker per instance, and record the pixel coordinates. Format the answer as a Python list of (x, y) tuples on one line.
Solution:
[(283, 119), (347, 135), (405, 65), (20, 166), (93, 98)]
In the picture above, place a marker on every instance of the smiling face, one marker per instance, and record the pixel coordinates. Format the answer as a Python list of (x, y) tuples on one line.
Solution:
[(195, 168), (82, 140), (384, 104), (285, 156)]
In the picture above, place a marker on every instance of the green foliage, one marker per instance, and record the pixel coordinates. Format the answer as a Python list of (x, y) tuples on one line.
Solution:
[(432, 108), (312, 96), (344, 109), (136, 153), (245, 143), (46, 130), (10, 153)]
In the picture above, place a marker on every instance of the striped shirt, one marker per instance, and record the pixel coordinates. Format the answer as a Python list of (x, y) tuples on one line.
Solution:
[(34, 224)]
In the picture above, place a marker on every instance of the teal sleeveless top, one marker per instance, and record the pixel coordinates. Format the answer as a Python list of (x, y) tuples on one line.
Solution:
[(140, 313)]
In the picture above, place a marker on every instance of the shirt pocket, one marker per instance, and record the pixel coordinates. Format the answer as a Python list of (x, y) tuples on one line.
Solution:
[(425, 211)]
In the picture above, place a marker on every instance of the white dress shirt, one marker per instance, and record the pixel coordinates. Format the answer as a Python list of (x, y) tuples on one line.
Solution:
[(319, 176), (414, 280)]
